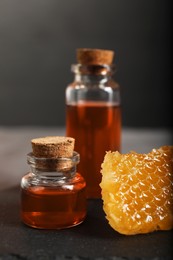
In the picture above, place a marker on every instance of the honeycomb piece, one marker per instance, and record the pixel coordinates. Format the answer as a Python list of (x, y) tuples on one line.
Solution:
[(137, 190)]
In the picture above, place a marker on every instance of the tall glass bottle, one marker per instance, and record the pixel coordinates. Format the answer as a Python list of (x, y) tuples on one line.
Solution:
[(93, 113)]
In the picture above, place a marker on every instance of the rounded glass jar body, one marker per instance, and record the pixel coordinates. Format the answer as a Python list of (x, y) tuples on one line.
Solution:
[(52, 193), (93, 118)]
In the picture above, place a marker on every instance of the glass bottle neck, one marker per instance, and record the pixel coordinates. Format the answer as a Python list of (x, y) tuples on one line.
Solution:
[(61, 168), (92, 73), (94, 79)]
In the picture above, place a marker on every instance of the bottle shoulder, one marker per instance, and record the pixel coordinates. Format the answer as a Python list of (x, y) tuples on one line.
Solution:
[(81, 86), (32, 180)]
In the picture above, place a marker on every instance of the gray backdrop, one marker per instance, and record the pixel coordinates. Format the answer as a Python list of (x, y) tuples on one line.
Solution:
[(38, 39)]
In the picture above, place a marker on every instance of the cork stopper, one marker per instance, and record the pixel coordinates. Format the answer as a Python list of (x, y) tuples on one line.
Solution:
[(95, 56), (53, 147), (53, 153)]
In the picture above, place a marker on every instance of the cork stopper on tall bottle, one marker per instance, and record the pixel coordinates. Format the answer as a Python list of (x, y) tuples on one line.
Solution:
[(94, 56)]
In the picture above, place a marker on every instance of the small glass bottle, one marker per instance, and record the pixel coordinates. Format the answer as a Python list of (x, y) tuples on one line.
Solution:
[(93, 113), (53, 193)]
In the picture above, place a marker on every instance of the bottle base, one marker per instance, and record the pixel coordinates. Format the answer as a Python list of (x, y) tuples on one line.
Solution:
[(44, 221), (52, 227)]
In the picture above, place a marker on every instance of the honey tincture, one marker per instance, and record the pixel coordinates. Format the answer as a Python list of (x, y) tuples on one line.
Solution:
[(93, 113), (53, 192)]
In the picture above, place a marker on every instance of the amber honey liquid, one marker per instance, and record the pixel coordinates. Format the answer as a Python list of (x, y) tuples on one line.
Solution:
[(52, 208), (96, 127)]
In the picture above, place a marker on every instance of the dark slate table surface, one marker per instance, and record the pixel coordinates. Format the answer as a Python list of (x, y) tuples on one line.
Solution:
[(94, 238)]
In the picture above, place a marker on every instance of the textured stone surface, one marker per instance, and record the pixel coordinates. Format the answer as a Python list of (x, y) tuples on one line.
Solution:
[(93, 239)]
